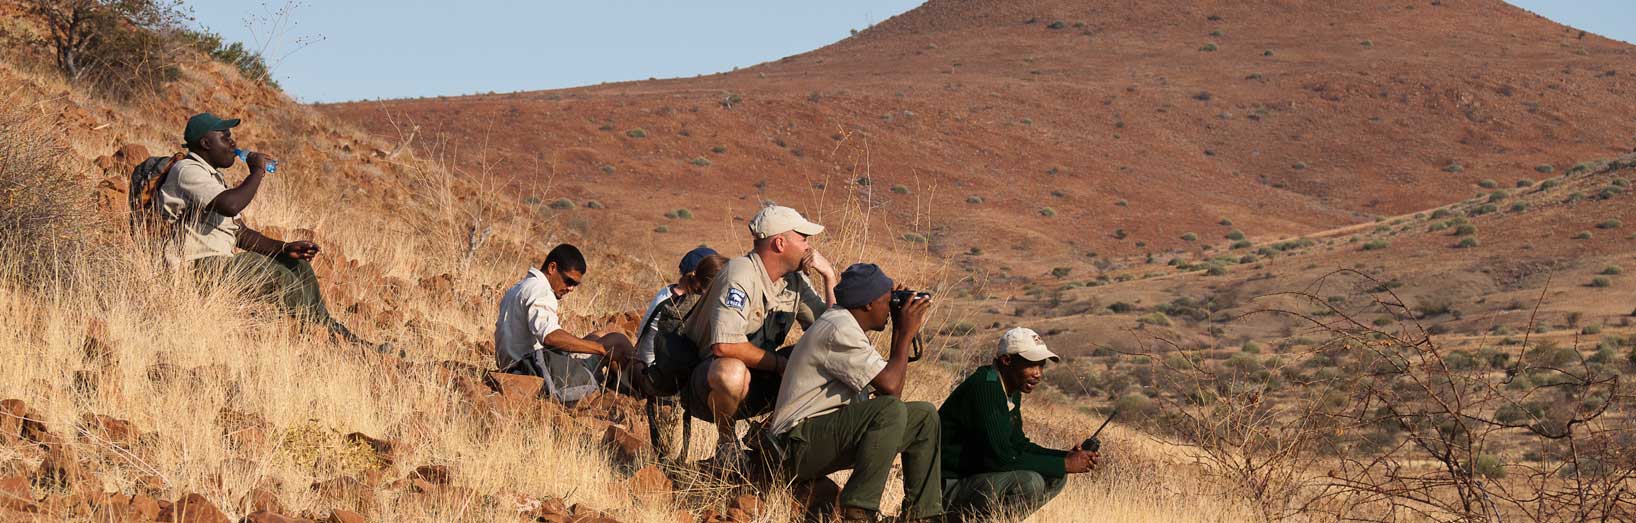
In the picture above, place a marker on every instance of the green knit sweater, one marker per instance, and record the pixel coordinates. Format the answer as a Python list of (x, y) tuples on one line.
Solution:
[(981, 434)]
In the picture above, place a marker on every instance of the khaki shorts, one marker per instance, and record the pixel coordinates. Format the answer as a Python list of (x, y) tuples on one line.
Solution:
[(763, 393)]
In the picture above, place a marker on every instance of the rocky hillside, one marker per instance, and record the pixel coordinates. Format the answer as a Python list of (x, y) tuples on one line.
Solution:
[(1047, 127)]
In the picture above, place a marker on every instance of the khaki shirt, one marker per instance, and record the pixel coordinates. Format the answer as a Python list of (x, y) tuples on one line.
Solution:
[(831, 367), (740, 299), (191, 185)]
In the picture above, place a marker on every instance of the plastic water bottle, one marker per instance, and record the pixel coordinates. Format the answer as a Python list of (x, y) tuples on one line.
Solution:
[(272, 165)]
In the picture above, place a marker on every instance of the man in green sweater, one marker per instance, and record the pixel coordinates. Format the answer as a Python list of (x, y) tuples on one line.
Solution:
[(990, 469)]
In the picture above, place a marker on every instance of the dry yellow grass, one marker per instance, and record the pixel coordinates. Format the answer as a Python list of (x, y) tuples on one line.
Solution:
[(401, 220)]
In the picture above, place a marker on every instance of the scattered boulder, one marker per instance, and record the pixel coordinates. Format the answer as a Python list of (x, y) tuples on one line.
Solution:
[(750, 505), (345, 516), (17, 495), (514, 387), (12, 414), (266, 516), (434, 474), (261, 500), (625, 448), (110, 430), (649, 481), (193, 508)]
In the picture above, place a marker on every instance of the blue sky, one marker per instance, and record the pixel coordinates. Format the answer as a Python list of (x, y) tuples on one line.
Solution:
[(338, 50)]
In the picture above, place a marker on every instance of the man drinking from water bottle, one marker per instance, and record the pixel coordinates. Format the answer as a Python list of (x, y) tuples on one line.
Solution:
[(205, 216)]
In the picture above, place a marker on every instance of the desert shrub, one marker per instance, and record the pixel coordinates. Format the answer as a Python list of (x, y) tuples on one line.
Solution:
[(48, 219), (119, 48), (1122, 203), (562, 204), (1488, 466), (700, 161), (1154, 318), (1519, 206), (1488, 184), (1120, 307), (1048, 212), (1441, 213), (1209, 48), (1487, 208), (661, 229), (1453, 167), (1241, 244), (719, 149), (1375, 245), (864, 181), (1548, 185), (974, 200), (1544, 168), (1612, 270), (679, 214), (593, 204), (1601, 282), (636, 133), (899, 189), (1190, 237), (1235, 235), (1497, 196), (1465, 230), (1467, 242), (913, 237), (1609, 224), (1119, 234), (251, 64), (1582, 235), (1216, 270), (1299, 166), (1061, 272)]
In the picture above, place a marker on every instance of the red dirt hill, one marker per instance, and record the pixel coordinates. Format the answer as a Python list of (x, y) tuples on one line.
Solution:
[(1071, 120)]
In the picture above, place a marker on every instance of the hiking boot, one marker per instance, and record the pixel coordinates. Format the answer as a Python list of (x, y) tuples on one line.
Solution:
[(858, 515)]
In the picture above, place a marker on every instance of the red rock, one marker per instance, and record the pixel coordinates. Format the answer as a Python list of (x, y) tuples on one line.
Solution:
[(434, 474), (261, 500), (59, 469), (120, 507), (739, 516), (649, 481), (749, 504), (345, 516), (193, 508), (16, 494), (111, 429), (265, 516), (514, 386), (12, 413), (625, 448), (131, 154), (104, 163)]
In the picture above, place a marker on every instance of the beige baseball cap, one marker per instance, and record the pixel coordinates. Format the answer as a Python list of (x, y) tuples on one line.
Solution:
[(1023, 341), (774, 220)]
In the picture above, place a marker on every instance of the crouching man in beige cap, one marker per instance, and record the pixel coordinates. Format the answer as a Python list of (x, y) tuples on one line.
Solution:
[(990, 469), (742, 321)]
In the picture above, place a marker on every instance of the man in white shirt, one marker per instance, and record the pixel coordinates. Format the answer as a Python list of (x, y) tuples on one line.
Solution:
[(825, 421), (529, 338)]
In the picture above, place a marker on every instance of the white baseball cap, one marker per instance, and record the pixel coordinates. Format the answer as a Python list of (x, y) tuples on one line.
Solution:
[(1023, 341), (774, 220)]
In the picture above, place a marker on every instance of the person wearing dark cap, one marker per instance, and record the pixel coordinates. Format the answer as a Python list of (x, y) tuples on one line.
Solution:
[(687, 284), (206, 216), (825, 420), (990, 468)]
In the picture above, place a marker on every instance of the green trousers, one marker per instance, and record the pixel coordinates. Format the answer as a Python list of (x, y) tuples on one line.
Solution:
[(988, 497), (864, 436), (286, 282)]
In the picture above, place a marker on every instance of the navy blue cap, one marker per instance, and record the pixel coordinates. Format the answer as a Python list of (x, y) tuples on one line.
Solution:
[(860, 284), (691, 260)]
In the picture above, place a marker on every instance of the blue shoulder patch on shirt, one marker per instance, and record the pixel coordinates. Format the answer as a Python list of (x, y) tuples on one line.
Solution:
[(736, 298)]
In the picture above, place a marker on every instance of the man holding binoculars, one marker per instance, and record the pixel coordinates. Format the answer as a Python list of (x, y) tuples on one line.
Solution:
[(825, 420)]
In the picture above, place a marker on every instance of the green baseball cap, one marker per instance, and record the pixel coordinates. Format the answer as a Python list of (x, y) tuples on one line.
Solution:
[(204, 123)]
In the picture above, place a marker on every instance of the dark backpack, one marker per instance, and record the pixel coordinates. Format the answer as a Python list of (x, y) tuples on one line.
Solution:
[(145, 182), (674, 354)]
